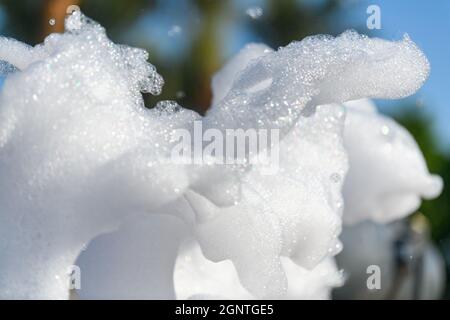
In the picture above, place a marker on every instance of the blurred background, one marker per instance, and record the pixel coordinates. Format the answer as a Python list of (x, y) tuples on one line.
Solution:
[(188, 40)]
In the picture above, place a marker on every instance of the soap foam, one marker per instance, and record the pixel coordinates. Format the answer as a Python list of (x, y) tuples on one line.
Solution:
[(80, 154), (388, 174)]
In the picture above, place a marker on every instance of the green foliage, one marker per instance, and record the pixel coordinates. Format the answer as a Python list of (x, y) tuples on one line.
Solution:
[(22, 19)]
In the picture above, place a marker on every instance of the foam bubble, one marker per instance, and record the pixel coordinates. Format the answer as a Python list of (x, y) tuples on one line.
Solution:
[(274, 89), (388, 174)]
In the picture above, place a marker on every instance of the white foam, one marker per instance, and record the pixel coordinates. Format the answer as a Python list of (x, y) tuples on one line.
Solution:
[(388, 174), (273, 90), (295, 213), (80, 154), (195, 276)]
